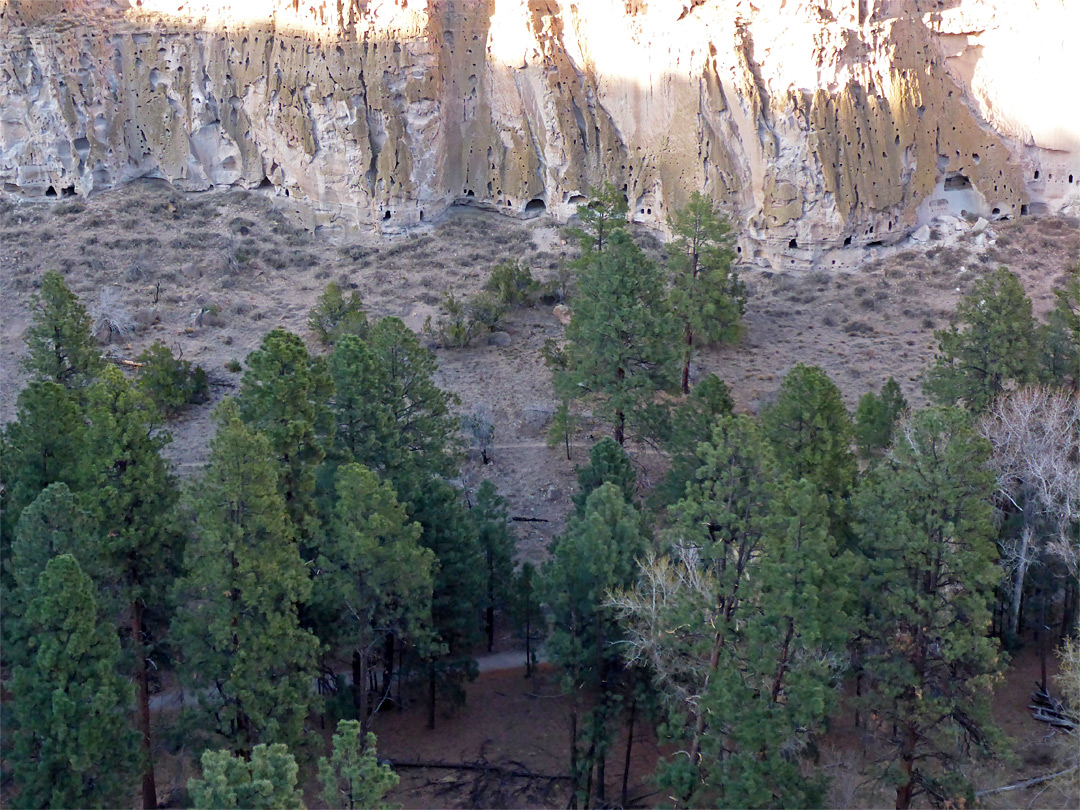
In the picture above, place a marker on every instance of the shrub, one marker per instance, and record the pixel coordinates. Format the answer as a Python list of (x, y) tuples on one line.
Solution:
[(513, 284), (460, 321), (334, 315), (480, 427), (171, 382)]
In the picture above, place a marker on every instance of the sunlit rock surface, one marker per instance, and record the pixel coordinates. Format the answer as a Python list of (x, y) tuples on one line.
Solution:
[(816, 124)]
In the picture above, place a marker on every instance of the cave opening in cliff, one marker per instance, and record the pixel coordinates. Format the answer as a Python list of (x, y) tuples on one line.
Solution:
[(535, 206), (386, 216), (50, 192), (957, 181), (794, 243), (67, 191), (266, 183), (577, 199)]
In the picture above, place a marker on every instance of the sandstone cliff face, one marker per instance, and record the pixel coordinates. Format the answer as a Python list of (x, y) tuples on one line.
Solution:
[(817, 123)]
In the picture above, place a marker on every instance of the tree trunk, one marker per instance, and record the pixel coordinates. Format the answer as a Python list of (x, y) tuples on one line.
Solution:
[(1018, 582), (905, 791), (388, 667), (575, 776), (431, 697), (528, 639), (360, 690), (688, 339), (149, 785), (620, 416), (489, 617), (629, 748)]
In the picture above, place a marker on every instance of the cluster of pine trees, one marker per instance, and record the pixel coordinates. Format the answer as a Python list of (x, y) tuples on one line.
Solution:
[(780, 556)]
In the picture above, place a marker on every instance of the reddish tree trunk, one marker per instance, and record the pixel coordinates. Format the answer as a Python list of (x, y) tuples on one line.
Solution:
[(149, 785)]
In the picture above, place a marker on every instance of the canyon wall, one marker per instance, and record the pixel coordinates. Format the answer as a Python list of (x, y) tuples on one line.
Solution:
[(815, 123)]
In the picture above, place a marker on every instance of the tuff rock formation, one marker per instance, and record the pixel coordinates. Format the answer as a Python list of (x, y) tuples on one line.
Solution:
[(817, 123)]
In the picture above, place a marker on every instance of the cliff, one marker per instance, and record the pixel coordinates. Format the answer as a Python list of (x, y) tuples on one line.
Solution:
[(817, 123)]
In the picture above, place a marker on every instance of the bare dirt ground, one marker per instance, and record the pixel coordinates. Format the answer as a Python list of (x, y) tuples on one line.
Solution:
[(210, 274)]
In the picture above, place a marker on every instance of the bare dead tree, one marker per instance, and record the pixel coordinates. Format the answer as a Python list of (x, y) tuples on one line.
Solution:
[(1035, 434)]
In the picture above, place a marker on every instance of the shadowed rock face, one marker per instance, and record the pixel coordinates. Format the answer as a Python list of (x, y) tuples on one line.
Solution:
[(816, 123)]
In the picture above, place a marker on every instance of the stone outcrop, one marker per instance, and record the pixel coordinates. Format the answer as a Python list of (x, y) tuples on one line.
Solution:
[(816, 123)]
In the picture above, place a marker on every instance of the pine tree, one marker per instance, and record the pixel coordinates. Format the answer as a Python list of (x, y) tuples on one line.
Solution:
[(130, 496), (527, 612), (925, 527), (810, 433), (353, 778), (596, 554), (244, 579), (43, 446), (73, 747), (497, 542), (876, 417), (706, 295), (458, 592), (60, 344), (991, 346), (622, 340), (738, 625), (1060, 336), (265, 782), (374, 579), (365, 428), (53, 524), (692, 423), (599, 219), (284, 395), (608, 463)]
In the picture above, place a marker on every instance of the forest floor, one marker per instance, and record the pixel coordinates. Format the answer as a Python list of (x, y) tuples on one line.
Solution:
[(210, 274)]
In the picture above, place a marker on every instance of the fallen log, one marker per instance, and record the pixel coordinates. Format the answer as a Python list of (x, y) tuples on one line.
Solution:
[(481, 767), (517, 519), (1026, 783)]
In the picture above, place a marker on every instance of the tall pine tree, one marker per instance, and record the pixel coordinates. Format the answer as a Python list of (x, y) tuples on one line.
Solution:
[(59, 343), (73, 745), (239, 637)]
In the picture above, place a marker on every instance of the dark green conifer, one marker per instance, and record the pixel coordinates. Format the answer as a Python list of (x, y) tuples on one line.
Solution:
[(60, 344)]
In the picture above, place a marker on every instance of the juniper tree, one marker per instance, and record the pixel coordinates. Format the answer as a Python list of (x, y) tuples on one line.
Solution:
[(492, 522), (266, 781), (130, 496), (622, 340), (990, 346), (240, 639), (60, 344), (73, 746), (373, 578), (334, 316), (596, 554), (352, 777), (706, 295), (284, 395), (926, 530)]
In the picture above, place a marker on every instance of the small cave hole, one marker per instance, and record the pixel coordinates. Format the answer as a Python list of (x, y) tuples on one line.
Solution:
[(996, 211), (794, 243), (470, 193), (847, 242), (535, 206), (1036, 174), (421, 215), (386, 216), (1023, 209), (68, 192), (1070, 178), (648, 210), (50, 192), (956, 182), (266, 183), (577, 199), (975, 157), (738, 250)]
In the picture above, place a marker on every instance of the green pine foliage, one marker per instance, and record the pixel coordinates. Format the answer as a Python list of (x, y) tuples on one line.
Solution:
[(1060, 335), (373, 579), (497, 543), (284, 395), (925, 526), (335, 316), (53, 524), (595, 555), (239, 637), (526, 610), (44, 445), (622, 340), (608, 463), (740, 625), (60, 343), (991, 346), (706, 294), (876, 418), (73, 746), (598, 220), (171, 382), (352, 777), (266, 781)]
